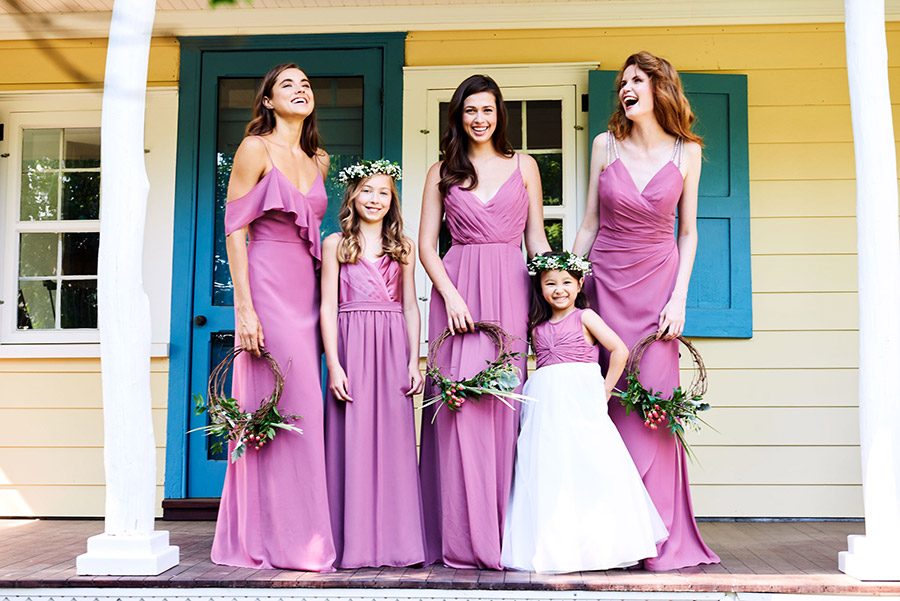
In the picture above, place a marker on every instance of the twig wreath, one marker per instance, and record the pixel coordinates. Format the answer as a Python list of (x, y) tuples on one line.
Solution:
[(680, 410), (229, 421), (498, 379)]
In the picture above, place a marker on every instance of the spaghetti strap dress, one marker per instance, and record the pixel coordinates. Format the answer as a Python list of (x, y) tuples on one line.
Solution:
[(467, 456), (274, 507), (370, 443), (635, 263), (577, 501)]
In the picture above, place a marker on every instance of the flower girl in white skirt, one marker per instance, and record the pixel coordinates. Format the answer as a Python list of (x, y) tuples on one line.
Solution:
[(577, 501)]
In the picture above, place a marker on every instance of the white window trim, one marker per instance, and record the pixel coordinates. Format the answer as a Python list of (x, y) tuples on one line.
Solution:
[(160, 140), (425, 87), (17, 122)]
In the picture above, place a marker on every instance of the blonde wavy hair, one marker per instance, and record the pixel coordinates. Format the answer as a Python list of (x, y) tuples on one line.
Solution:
[(670, 106), (393, 242)]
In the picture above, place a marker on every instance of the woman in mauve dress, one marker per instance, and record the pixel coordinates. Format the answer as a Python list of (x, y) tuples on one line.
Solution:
[(645, 173), (274, 508), (490, 197)]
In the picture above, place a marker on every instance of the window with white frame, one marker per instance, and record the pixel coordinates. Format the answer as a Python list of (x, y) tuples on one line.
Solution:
[(53, 234)]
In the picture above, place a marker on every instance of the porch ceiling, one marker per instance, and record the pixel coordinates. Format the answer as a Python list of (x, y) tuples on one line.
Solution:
[(30, 19)]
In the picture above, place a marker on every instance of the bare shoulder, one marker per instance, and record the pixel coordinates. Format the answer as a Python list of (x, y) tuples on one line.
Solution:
[(330, 243), (409, 244), (589, 317), (252, 151), (693, 151), (599, 142), (527, 163), (434, 173), (324, 159)]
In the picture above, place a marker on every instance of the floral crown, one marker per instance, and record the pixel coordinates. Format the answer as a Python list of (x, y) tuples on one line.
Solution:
[(564, 261), (364, 169)]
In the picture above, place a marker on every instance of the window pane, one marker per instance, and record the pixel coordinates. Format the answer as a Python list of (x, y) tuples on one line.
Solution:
[(220, 344), (554, 230), (82, 148), (81, 196), (79, 253), (38, 255), (544, 124), (349, 91), (550, 166), (79, 304), (514, 123), (40, 195), (37, 305), (40, 148)]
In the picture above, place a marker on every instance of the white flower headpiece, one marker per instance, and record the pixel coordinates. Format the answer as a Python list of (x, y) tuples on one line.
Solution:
[(563, 261), (364, 169)]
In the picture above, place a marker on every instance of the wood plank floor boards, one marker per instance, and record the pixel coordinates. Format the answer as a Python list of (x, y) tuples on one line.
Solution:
[(774, 557)]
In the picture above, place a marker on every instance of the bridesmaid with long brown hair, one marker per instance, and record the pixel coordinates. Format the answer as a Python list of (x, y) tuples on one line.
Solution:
[(645, 173), (274, 508), (491, 198)]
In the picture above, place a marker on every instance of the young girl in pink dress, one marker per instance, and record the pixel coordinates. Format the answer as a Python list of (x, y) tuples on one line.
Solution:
[(645, 172), (370, 330)]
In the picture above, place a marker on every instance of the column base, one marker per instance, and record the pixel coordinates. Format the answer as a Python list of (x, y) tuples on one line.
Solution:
[(869, 560), (127, 555)]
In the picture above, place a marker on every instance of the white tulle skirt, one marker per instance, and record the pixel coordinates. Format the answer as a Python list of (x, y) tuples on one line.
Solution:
[(577, 501)]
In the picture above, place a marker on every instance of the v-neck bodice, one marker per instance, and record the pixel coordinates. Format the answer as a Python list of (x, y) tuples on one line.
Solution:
[(500, 220), (366, 282)]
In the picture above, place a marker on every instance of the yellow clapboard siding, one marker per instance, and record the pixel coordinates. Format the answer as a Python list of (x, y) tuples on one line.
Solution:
[(806, 311), (781, 350), (68, 365), (804, 273), (689, 48), (65, 427), (793, 387), (60, 467), (817, 161), (58, 389), (778, 501), (59, 501), (805, 198), (801, 236), (800, 124), (778, 426), (68, 64), (776, 465)]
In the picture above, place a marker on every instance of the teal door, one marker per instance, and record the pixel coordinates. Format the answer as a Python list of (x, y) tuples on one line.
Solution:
[(348, 87)]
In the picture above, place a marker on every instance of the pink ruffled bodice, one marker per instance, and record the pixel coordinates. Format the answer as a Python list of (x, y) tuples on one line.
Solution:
[(288, 214)]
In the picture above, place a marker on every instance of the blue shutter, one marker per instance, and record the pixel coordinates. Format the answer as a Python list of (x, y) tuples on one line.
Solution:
[(719, 296)]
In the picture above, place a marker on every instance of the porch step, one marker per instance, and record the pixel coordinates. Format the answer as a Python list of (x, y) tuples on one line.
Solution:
[(197, 509)]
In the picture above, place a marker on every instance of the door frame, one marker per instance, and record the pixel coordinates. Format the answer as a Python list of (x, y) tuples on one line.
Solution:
[(186, 179)]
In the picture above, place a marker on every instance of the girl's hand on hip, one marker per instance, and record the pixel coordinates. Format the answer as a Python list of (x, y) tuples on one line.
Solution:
[(416, 383), (337, 383), (458, 317), (671, 320), (249, 331)]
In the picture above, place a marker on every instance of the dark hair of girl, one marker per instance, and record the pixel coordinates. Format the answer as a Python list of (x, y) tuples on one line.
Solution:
[(457, 169), (264, 118), (540, 310)]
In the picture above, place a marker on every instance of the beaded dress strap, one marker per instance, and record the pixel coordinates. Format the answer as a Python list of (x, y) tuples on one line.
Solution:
[(678, 152)]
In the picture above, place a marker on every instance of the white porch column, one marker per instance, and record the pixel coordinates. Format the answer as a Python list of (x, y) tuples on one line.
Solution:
[(874, 556), (129, 545)]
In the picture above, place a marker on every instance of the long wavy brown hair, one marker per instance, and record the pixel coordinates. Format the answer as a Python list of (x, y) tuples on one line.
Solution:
[(264, 118), (457, 169), (670, 106), (540, 310), (393, 242)]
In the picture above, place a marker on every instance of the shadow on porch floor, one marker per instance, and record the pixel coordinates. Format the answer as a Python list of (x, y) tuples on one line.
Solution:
[(790, 557)]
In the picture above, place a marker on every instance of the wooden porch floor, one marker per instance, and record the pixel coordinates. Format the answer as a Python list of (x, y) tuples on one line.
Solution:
[(791, 557)]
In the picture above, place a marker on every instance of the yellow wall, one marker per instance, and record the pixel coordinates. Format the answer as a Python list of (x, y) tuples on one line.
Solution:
[(51, 452), (67, 64), (784, 401)]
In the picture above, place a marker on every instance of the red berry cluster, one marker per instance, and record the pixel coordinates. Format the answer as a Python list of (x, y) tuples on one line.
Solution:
[(454, 396), (254, 441), (655, 417)]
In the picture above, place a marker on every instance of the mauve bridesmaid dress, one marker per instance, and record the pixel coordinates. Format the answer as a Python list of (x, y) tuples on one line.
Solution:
[(467, 456), (635, 263)]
